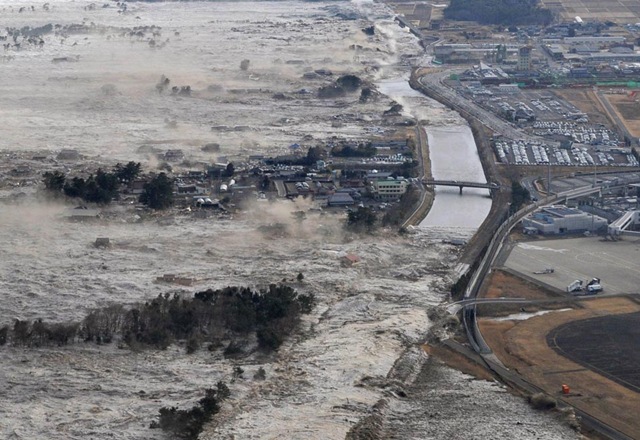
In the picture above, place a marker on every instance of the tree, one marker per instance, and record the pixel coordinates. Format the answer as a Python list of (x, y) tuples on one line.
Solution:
[(54, 181), (519, 196), (314, 154), (102, 188), (76, 188), (4, 332), (300, 277), (158, 193), (188, 424), (127, 173), (362, 220), (230, 170)]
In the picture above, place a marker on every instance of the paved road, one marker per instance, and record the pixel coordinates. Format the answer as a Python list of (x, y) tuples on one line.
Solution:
[(434, 82), (425, 170), (469, 311)]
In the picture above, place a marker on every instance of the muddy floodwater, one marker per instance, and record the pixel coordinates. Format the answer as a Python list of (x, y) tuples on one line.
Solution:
[(92, 83)]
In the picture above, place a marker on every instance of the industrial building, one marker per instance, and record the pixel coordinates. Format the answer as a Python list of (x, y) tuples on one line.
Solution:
[(468, 53), (559, 219), (588, 39)]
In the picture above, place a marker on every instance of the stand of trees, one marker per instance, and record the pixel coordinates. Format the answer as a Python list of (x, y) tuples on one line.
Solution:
[(188, 424), (158, 193), (360, 150), (101, 188), (519, 196), (504, 12), (408, 202), (362, 220), (210, 316), (313, 155)]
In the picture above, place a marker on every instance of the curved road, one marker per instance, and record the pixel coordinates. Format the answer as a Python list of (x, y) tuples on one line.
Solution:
[(433, 83), (469, 310)]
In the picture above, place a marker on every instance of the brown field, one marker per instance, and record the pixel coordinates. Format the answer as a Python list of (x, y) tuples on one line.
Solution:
[(587, 102), (419, 14), (522, 346), (628, 110), (618, 11)]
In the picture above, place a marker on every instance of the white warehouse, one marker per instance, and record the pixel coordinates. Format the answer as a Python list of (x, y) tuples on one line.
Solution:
[(562, 220)]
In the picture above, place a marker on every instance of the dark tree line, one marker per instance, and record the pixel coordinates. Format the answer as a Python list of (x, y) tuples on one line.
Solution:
[(103, 187), (188, 424), (210, 316), (100, 188), (362, 220), (360, 150), (313, 155), (504, 12)]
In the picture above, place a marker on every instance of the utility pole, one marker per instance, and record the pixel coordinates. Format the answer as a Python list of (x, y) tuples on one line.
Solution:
[(549, 179)]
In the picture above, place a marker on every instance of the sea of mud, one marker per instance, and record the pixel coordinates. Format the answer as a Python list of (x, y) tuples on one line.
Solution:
[(369, 319)]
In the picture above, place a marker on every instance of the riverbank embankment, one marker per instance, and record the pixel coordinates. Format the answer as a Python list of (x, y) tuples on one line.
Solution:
[(501, 198)]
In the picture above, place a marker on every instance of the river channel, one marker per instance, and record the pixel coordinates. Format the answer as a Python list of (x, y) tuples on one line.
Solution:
[(454, 156)]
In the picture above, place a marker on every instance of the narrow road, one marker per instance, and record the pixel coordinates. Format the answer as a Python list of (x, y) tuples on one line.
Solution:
[(426, 200), (433, 84)]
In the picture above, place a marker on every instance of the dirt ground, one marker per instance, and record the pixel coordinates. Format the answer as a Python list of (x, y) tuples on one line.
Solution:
[(628, 110), (522, 346), (503, 284), (614, 10), (417, 13), (456, 360), (586, 101)]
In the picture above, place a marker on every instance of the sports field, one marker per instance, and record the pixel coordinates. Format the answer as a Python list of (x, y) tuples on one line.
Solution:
[(606, 344)]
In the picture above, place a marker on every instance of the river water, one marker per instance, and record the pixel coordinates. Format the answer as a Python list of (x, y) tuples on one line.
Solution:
[(454, 156)]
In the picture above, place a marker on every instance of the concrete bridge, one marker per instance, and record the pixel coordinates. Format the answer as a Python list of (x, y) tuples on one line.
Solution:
[(461, 184)]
